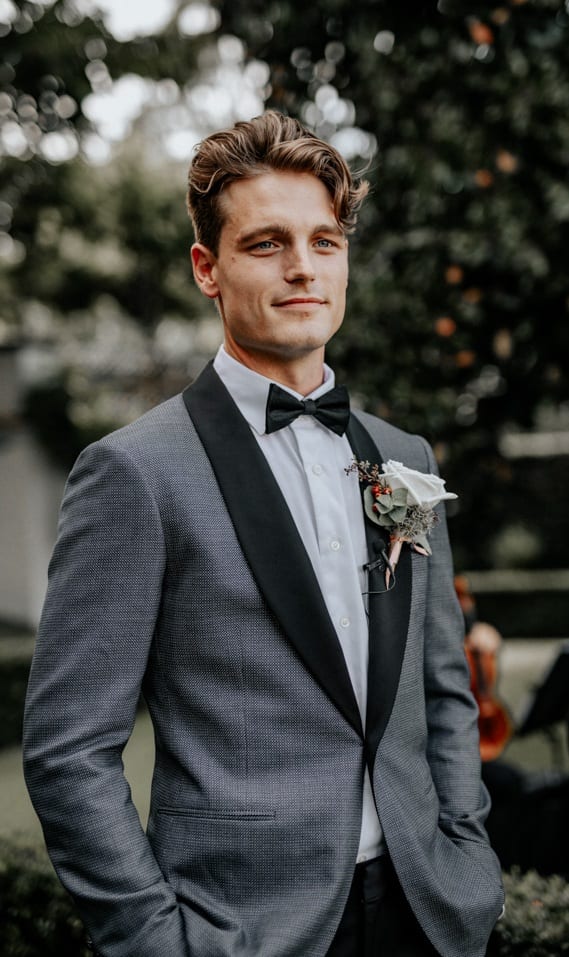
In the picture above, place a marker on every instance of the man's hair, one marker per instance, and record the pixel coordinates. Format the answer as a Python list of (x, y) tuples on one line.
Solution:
[(267, 143)]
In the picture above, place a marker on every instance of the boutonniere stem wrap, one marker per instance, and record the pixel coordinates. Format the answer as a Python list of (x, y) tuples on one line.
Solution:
[(402, 501)]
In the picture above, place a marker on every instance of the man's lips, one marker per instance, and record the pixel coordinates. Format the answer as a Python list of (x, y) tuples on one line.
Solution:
[(301, 301)]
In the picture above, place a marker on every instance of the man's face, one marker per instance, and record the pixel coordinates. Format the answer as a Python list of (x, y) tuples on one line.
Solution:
[(281, 271)]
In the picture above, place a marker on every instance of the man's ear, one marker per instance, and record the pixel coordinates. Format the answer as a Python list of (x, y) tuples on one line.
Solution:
[(203, 264)]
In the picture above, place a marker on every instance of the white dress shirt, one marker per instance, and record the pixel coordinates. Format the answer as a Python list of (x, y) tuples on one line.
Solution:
[(308, 462)]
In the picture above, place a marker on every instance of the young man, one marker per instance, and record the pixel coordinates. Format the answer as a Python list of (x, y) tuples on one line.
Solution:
[(317, 782)]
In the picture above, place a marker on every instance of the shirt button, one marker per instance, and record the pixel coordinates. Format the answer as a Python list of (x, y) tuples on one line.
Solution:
[(317, 469), (345, 622), (362, 859), (335, 545)]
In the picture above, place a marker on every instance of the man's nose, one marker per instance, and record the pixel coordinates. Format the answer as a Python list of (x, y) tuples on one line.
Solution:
[(300, 265)]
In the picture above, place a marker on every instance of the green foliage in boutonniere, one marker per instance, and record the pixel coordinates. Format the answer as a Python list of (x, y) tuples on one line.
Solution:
[(401, 500)]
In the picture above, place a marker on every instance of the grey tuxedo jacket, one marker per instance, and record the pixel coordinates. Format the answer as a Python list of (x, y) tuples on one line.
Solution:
[(179, 571)]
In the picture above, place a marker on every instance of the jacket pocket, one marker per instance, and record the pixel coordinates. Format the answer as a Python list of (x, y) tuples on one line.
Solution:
[(217, 814), (216, 857)]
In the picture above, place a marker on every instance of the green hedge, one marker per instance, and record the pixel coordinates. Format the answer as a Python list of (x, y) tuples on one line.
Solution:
[(38, 919), (13, 684), (536, 922)]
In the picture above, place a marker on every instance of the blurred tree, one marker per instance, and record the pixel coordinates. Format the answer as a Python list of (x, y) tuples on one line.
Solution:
[(458, 318), (95, 254), (56, 235), (55, 56)]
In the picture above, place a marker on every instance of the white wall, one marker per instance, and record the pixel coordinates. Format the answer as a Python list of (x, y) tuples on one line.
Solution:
[(30, 494)]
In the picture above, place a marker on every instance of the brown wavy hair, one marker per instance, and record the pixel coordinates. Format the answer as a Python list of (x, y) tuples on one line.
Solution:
[(268, 142)]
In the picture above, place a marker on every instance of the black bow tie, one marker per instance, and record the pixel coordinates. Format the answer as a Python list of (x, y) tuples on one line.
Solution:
[(332, 409)]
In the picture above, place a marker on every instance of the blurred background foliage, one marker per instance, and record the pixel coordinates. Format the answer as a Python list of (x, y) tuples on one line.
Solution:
[(457, 324)]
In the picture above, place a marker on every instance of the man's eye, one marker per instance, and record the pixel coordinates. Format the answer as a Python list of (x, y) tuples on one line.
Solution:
[(264, 244), (325, 243)]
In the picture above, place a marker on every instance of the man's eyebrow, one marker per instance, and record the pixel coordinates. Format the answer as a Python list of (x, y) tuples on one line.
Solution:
[(279, 229), (330, 227), (275, 229)]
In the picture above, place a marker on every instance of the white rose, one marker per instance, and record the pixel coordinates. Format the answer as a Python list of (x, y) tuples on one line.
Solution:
[(422, 488)]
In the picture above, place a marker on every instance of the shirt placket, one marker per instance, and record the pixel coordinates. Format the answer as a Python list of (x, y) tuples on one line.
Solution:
[(337, 574)]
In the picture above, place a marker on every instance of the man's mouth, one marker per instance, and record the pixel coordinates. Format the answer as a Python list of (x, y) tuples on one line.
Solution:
[(301, 301)]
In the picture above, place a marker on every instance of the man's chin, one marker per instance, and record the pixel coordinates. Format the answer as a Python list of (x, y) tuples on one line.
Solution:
[(301, 350), (303, 337)]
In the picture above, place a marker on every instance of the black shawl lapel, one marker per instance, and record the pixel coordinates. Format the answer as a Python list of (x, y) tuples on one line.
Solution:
[(269, 538), (388, 612)]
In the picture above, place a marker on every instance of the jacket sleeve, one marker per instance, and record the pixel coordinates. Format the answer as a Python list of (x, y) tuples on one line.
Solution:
[(105, 580), (452, 713)]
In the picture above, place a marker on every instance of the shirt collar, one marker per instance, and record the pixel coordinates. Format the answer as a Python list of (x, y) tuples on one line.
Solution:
[(249, 390)]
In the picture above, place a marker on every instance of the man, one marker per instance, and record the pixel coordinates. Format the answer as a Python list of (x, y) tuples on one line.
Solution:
[(317, 783)]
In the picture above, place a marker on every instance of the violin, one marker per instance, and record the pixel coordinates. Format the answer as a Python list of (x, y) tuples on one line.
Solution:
[(482, 643), (494, 722)]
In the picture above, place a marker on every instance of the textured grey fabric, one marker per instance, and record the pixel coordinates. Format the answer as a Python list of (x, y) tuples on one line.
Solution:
[(256, 798)]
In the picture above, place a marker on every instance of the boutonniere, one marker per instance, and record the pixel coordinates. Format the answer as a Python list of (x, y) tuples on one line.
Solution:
[(403, 502)]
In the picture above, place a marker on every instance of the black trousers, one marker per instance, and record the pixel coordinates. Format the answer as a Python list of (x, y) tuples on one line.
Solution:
[(377, 920)]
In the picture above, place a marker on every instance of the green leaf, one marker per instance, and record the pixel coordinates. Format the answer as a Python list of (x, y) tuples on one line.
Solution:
[(384, 505), (398, 514), (400, 496)]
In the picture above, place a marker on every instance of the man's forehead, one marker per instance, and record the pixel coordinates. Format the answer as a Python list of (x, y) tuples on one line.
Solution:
[(287, 199)]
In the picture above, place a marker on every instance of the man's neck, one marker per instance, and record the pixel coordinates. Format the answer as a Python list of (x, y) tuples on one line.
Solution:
[(303, 375)]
